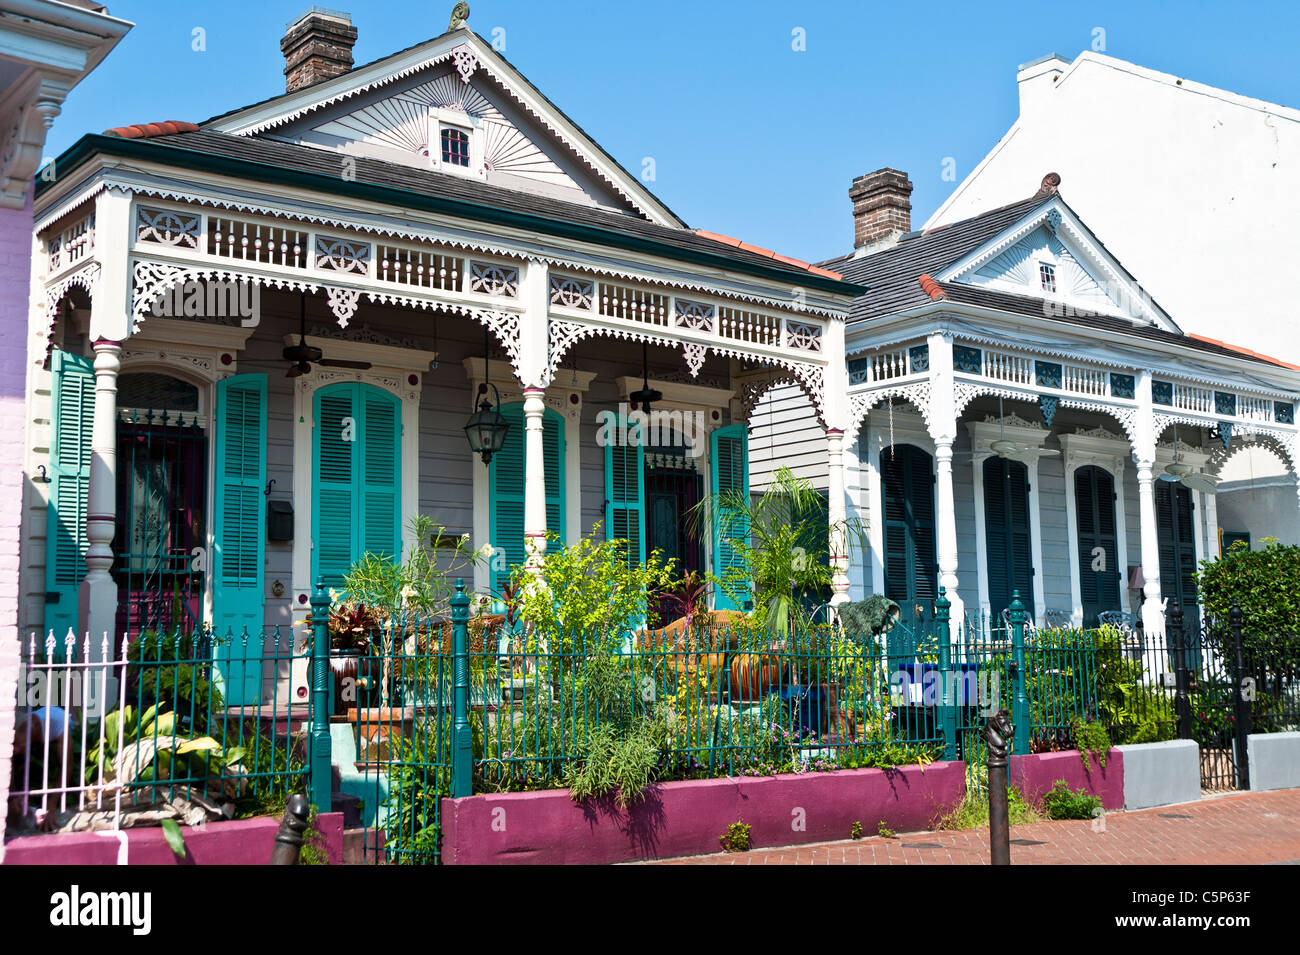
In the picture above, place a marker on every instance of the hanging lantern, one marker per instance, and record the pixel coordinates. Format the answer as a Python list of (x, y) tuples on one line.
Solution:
[(487, 426)]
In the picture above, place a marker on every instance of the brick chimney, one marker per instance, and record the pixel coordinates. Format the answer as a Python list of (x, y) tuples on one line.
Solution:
[(882, 209), (317, 47)]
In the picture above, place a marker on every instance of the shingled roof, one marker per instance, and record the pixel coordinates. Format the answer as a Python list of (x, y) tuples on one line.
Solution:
[(264, 159), (901, 278)]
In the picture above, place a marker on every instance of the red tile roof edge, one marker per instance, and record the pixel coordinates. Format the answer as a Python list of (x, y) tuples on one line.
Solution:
[(759, 250), (147, 130), (1245, 351), (932, 288)]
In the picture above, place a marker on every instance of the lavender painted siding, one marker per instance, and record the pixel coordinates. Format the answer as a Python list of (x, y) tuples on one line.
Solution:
[(15, 277)]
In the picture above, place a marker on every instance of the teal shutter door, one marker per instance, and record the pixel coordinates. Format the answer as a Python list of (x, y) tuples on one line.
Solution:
[(506, 482), (907, 490), (730, 451), (65, 560), (507, 497), (625, 493), (1007, 538), (334, 517), (380, 449), (357, 506), (1094, 498), (239, 535)]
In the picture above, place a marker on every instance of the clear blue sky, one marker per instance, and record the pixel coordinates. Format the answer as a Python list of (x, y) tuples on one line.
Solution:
[(749, 137)]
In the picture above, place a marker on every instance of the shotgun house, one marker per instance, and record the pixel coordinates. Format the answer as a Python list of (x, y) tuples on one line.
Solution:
[(258, 341), (1025, 417)]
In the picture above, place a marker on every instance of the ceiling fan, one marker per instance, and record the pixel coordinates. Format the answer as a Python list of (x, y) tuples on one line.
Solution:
[(647, 396), (1013, 450), (644, 397), (1179, 471), (302, 356)]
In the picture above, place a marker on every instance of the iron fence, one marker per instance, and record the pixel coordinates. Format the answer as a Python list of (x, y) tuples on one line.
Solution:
[(142, 729)]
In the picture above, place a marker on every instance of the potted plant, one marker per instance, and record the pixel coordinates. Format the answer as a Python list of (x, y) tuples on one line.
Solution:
[(407, 602)]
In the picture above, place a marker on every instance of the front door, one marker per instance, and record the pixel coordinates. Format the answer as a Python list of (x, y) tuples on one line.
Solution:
[(160, 553), (1175, 535), (672, 488), (1006, 525), (1094, 499)]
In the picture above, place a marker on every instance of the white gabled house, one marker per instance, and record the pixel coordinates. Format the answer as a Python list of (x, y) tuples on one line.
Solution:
[(257, 342), (1023, 416)]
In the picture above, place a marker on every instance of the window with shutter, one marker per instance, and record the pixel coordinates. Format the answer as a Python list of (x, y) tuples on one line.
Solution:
[(1094, 499), (1007, 536), (65, 563), (625, 490), (357, 505), (506, 478), (907, 492), (239, 533), (730, 447)]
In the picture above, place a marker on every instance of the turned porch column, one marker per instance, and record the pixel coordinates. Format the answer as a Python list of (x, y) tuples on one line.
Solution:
[(1144, 450), (98, 589), (534, 481), (943, 429), (838, 540)]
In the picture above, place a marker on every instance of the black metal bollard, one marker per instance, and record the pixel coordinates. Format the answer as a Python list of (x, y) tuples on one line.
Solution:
[(1245, 693), (288, 840), (998, 735)]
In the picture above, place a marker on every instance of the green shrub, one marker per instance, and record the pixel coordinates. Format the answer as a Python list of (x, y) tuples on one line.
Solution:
[(736, 838), (1264, 583), (1061, 802)]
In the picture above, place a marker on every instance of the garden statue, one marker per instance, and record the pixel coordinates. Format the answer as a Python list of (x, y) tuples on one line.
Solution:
[(875, 615)]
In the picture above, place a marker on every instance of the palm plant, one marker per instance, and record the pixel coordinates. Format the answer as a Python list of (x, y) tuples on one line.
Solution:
[(777, 537)]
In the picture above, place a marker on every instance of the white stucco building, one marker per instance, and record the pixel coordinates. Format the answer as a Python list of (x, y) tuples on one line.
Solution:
[(1195, 189)]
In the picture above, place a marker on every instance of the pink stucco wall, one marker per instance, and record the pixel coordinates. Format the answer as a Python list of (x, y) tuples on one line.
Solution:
[(686, 818), (1036, 774), (244, 842), (15, 277)]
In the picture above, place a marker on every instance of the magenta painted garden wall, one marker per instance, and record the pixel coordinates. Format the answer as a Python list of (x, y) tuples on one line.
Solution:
[(1036, 774), (686, 818), (15, 278), (242, 842)]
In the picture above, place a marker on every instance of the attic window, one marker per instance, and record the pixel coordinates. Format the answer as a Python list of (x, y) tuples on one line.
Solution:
[(1047, 276), (455, 147)]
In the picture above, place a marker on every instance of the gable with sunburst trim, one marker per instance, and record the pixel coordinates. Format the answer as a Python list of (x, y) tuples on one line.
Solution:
[(402, 123), (1051, 255), (1020, 269)]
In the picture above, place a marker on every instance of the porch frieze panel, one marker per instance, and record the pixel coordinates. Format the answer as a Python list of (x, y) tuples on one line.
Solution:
[(455, 238), (87, 277), (916, 393), (1125, 416), (1286, 445)]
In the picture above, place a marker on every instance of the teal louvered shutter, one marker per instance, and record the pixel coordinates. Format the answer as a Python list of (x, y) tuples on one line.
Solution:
[(1007, 535), (239, 535), (358, 472), (65, 561), (625, 491), (730, 451), (1094, 499), (507, 482), (907, 492), (379, 448), (335, 476), (507, 496)]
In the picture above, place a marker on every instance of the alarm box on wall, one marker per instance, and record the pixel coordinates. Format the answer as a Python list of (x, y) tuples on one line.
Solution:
[(279, 521)]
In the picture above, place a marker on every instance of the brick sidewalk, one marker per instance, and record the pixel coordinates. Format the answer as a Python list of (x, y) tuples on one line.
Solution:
[(1239, 828)]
